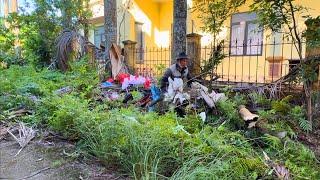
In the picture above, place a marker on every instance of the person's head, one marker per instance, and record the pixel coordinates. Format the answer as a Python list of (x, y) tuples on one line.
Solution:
[(182, 60)]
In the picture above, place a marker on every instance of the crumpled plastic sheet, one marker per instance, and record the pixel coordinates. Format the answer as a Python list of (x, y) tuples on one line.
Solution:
[(181, 97), (134, 80), (106, 84), (175, 91), (203, 116), (211, 98), (155, 92)]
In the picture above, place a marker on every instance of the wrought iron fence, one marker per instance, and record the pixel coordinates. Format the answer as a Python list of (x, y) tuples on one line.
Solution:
[(246, 62)]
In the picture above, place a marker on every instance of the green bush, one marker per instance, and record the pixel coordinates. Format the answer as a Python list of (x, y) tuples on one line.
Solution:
[(230, 113), (297, 114), (149, 145)]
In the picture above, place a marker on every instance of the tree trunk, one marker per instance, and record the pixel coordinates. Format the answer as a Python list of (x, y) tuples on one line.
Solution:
[(66, 15), (179, 28), (86, 22), (110, 24)]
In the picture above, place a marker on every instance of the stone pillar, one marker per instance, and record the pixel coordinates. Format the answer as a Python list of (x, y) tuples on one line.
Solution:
[(194, 53), (110, 25), (130, 54), (180, 9)]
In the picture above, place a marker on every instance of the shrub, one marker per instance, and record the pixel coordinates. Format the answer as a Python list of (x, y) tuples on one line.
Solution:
[(297, 114)]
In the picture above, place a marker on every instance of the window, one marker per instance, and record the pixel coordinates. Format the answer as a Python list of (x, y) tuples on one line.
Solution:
[(1, 8), (246, 36), (140, 42), (274, 70), (99, 36), (9, 6)]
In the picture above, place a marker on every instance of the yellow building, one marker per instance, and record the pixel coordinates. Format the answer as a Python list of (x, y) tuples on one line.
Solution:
[(265, 56), (8, 6)]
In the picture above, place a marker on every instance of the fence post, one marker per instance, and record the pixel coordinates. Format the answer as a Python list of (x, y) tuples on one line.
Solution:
[(194, 53), (129, 54)]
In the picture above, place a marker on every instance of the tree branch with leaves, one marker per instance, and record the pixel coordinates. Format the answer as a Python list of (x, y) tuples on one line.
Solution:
[(281, 16)]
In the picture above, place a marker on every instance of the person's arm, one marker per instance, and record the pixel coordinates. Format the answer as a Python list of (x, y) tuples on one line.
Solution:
[(164, 81)]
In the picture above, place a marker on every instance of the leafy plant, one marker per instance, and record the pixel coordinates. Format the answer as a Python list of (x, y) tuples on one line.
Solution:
[(229, 111), (282, 106), (298, 115)]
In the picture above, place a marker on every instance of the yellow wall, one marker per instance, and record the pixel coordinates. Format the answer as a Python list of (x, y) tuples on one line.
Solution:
[(166, 19), (152, 12), (158, 18), (250, 68)]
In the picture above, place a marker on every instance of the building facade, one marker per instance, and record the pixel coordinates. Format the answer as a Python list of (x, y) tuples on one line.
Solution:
[(8, 6), (254, 55)]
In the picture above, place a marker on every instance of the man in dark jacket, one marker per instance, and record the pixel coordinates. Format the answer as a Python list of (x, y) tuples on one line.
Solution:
[(177, 70)]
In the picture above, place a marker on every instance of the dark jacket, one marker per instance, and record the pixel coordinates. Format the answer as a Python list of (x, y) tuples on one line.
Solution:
[(175, 71)]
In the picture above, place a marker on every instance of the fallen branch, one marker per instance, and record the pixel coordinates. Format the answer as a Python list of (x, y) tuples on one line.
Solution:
[(19, 113), (26, 134), (35, 173), (281, 171)]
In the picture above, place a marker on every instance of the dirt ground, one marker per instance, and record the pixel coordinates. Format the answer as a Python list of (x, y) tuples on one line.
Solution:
[(312, 140), (45, 159), (48, 157)]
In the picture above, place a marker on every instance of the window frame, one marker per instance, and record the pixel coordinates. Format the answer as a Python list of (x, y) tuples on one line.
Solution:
[(2, 15), (96, 28), (244, 53), (140, 50)]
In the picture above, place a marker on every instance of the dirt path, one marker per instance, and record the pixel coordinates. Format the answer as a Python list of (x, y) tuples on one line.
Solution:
[(42, 159)]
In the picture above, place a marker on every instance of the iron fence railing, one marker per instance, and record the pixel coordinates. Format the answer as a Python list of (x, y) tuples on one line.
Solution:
[(247, 62)]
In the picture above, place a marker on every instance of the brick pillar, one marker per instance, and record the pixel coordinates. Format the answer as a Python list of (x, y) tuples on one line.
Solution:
[(194, 53), (180, 9), (129, 54)]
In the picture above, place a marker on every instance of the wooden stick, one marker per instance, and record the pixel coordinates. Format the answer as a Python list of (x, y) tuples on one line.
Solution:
[(35, 173)]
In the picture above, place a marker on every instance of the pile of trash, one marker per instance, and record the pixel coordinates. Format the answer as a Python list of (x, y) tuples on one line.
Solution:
[(126, 87), (143, 92)]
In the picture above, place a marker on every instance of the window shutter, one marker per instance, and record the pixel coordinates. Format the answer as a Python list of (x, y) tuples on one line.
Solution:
[(140, 42), (274, 70)]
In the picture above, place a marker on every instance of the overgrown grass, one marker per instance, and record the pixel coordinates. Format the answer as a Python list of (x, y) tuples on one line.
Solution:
[(152, 146)]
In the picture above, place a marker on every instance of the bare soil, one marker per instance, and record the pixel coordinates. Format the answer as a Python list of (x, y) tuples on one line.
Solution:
[(48, 158), (312, 140)]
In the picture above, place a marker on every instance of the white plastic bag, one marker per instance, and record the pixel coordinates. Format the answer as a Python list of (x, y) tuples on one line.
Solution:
[(175, 89)]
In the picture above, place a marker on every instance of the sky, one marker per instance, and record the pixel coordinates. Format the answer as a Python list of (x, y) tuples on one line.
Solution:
[(25, 5)]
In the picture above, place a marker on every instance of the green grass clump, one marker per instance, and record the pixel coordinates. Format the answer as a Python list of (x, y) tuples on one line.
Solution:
[(152, 146)]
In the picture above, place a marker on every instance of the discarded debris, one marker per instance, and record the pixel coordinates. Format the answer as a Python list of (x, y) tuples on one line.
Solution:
[(175, 91), (35, 173), (117, 61), (246, 114), (250, 118), (209, 98), (18, 113), (64, 90), (203, 116), (25, 135), (281, 171)]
